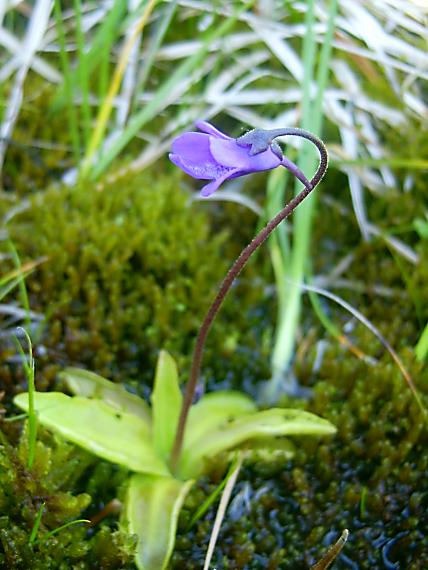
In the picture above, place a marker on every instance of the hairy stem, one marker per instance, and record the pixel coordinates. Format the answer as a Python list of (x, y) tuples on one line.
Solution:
[(232, 274)]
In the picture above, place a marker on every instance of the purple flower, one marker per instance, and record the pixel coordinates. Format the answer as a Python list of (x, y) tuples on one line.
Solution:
[(212, 155)]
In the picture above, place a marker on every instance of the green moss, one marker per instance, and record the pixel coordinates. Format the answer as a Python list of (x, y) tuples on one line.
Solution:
[(129, 269), (370, 478), (40, 147), (54, 481)]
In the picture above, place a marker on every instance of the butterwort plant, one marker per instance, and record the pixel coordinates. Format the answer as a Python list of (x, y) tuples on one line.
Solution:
[(166, 446), (213, 155), (105, 419)]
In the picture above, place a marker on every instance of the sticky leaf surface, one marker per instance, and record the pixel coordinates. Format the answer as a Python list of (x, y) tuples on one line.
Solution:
[(152, 507), (84, 383), (166, 404), (94, 425), (273, 422)]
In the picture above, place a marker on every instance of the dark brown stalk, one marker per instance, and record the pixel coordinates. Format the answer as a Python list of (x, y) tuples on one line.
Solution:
[(232, 274)]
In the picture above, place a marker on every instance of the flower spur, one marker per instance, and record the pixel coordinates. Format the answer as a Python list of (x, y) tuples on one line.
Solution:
[(212, 155)]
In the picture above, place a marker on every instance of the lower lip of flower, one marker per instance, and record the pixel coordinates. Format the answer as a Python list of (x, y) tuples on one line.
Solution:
[(211, 172)]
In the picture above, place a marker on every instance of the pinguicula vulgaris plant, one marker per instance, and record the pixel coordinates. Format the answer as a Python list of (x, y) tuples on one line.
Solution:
[(166, 445)]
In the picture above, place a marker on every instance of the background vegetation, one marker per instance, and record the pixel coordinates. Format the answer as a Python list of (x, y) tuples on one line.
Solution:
[(121, 259)]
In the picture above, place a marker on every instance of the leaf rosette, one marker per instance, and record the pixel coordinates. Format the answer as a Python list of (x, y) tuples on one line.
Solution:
[(105, 419)]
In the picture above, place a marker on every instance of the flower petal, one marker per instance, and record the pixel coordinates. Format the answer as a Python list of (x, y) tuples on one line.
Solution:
[(229, 153), (201, 171), (193, 147), (191, 152), (211, 130), (208, 189), (190, 168)]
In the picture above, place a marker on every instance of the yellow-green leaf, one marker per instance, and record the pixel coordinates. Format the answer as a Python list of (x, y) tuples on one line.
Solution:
[(94, 425), (166, 404), (213, 410), (273, 422), (151, 512), (84, 383)]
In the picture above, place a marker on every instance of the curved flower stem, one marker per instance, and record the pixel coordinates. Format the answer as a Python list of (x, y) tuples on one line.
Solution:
[(233, 272)]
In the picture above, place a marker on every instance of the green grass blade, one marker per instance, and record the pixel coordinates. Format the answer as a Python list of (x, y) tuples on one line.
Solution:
[(67, 88), (410, 163), (324, 67), (8, 287), (285, 335), (278, 243), (101, 43), (289, 304), (213, 496), (277, 183), (32, 416), (21, 284), (20, 272), (355, 313), (421, 348), (151, 109), (106, 107), (16, 418), (83, 73), (36, 525), (60, 528), (164, 24)]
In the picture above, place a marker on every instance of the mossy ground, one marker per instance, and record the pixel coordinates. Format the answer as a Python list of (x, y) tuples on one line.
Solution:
[(130, 270), (59, 483), (115, 263), (31, 163), (371, 477)]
